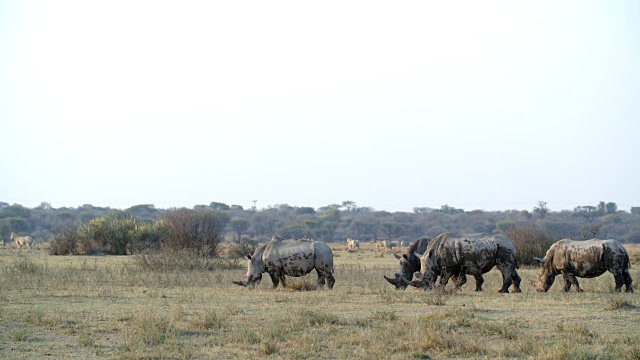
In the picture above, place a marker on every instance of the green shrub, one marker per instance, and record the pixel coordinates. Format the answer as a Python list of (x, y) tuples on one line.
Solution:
[(105, 236)]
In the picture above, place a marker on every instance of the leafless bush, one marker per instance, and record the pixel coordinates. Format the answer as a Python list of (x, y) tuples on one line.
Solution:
[(530, 242), (239, 249), (197, 232), (65, 241)]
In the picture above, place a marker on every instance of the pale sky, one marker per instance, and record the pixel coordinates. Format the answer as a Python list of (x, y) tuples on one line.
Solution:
[(394, 105)]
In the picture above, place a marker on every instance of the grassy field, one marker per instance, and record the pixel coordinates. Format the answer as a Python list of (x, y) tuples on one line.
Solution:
[(106, 307)]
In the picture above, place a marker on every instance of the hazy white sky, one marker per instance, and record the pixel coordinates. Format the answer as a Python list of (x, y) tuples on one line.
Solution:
[(394, 105)]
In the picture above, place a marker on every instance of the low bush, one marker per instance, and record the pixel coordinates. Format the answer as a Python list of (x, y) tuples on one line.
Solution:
[(105, 236), (65, 241), (197, 232), (529, 242)]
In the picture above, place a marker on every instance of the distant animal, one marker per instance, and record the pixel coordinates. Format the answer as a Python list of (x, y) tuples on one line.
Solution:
[(22, 241), (397, 243), (293, 258), (353, 244), (382, 244), (475, 254), (584, 259)]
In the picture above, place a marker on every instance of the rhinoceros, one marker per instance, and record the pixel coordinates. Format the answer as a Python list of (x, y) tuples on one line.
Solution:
[(293, 258), (410, 264), (585, 259), (474, 254)]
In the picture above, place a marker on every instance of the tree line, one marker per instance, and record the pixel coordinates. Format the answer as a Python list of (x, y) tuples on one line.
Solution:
[(336, 222)]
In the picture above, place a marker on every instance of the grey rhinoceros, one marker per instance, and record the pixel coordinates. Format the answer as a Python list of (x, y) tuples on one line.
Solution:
[(585, 259), (475, 254), (292, 258), (410, 264)]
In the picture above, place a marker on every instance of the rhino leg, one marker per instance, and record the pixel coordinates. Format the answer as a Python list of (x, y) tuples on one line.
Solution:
[(330, 280), (275, 278), (444, 277), (627, 280), (515, 278), (479, 282), (568, 276), (567, 285), (461, 278), (506, 278), (326, 278)]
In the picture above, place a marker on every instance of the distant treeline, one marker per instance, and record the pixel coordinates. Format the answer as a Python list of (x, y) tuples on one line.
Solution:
[(336, 222)]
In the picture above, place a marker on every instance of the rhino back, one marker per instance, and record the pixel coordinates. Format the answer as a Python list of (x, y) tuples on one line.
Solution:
[(293, 258), (473, 251), (476, 252), (583, 258)]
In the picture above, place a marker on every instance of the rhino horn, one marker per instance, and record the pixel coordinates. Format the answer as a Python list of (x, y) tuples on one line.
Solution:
[(392, 281), (415, 283), (238, 283), (540, 260)]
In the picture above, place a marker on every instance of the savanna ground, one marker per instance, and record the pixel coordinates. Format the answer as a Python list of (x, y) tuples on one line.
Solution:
[(106, 307)]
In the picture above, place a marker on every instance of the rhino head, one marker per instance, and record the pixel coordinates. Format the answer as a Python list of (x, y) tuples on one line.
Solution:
[(428, 273), (405, 271), (545, 278), (254, 274), (422, 281)]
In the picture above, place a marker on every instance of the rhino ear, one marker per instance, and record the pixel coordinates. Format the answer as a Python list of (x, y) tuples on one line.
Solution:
[(248, 257), (539, 260), (432, 254)]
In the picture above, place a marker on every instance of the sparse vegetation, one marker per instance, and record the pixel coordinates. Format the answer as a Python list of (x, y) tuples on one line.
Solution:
[(108, 307), (332, 223), (616, 302), (530, 241)]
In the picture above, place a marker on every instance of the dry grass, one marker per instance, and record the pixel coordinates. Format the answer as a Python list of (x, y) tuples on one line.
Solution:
[(100, 307)]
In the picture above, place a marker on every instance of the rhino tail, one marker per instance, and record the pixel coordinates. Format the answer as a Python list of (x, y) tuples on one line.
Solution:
[(628, 261)]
